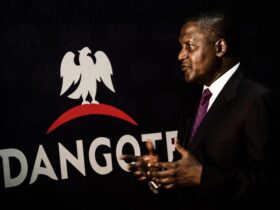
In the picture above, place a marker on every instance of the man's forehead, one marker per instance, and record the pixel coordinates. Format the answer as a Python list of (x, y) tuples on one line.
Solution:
[(191, 30)]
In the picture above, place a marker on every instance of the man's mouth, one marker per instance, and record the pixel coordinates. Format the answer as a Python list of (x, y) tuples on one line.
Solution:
[(185, 67)]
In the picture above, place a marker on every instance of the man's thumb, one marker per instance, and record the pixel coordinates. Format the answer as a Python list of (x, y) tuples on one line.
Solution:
[(181, 149), (150, 147)]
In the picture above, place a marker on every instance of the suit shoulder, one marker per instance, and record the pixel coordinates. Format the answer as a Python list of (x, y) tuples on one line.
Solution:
[(256, 89), (257, 93)]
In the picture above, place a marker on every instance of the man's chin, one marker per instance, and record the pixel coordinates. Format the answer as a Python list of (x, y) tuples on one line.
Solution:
[(189, 78)]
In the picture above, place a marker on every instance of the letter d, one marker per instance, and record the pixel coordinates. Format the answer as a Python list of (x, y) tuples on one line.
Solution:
[(8, 180)]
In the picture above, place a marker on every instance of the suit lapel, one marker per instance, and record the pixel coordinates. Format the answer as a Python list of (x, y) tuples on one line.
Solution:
[(219, 109)]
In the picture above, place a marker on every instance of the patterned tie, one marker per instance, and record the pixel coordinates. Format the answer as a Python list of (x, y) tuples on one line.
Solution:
[(201, 112)]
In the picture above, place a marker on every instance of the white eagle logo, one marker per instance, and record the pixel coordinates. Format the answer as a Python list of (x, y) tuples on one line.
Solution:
[(87, 72)]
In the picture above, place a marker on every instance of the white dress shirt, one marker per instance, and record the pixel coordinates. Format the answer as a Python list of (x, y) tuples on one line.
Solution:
[(218, 85)]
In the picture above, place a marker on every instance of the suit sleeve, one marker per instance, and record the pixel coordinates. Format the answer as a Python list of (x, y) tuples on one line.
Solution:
[(254, 181)]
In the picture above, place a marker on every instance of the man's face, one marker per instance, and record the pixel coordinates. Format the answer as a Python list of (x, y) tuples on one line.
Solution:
[(197, 55)]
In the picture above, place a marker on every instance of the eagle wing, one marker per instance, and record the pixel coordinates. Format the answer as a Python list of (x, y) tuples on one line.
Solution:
[(103, 69), (69, 71)]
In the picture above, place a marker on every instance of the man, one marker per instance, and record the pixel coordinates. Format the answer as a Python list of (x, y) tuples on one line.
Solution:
[(226, 147)]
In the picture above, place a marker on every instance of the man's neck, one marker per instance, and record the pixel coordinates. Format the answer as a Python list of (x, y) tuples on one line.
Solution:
[(226, 65)]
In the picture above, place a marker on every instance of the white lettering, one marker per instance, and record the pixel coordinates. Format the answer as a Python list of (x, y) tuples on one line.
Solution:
[(43, 166), (153, 137), (13, 153), (37, 169), (108, 157), (170, 144), (78, 163), (124, 140)]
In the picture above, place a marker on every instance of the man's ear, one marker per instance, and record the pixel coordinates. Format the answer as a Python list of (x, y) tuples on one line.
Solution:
[(221, 47)]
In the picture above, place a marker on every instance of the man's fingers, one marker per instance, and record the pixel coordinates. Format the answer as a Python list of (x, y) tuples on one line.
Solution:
[(132, 166), (129, 158), (160, 174), (169, 186), (166, 180), (150, 147), (161, 165), (139, 173), (134, 163), (141, 176)]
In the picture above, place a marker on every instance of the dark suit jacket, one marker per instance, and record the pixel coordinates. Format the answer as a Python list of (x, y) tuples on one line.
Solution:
[(236, 145)]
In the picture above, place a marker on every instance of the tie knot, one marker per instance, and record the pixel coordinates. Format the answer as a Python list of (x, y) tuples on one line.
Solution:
[(206, 95)]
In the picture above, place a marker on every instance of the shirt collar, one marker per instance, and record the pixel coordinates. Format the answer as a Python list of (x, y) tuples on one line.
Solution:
[(218, 85)]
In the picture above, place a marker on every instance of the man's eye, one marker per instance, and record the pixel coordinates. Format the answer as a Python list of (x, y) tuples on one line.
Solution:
[(190, 46)]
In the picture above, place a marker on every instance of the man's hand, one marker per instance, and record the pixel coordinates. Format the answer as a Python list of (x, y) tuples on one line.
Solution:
[(139, 164), (182, 173)]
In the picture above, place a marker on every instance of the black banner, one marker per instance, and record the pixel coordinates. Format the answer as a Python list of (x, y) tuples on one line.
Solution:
[(67, 115)]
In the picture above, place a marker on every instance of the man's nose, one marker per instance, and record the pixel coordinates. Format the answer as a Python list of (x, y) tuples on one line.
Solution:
[(182, 55)]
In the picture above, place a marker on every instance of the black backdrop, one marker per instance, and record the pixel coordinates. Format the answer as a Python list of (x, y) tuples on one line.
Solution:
[(140, 39)]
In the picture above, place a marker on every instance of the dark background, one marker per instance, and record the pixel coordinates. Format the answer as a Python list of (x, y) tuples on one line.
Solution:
[(140, 39)]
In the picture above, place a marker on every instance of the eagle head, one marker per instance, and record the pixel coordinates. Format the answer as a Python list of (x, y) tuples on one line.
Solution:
[(85, 51)]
